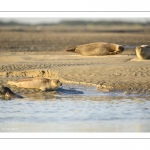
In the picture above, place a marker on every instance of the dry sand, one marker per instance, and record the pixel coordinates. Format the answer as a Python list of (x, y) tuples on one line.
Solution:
[(123, 73)]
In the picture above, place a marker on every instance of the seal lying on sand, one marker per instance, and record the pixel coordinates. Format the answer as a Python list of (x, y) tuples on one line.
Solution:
[(97, 49), (39, 83), (143, 52), (7, 93)]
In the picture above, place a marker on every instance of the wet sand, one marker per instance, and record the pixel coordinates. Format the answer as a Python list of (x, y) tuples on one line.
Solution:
[(28, 52), (118, 73)]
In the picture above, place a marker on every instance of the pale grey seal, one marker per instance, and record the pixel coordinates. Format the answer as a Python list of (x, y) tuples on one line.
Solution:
[(43, 84)]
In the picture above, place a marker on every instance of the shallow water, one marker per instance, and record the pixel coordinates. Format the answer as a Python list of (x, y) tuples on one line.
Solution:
[(76, 109)]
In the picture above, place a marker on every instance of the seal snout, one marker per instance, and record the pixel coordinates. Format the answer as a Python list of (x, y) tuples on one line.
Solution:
[(57, 82), (139, 49), (121, 48)]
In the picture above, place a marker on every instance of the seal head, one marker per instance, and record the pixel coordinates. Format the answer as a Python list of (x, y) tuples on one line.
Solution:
[(51, 85), (120, 49), (143, 51)]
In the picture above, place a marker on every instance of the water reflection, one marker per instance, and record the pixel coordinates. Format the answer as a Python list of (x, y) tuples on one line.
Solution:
[(69, 91), (79, 109)]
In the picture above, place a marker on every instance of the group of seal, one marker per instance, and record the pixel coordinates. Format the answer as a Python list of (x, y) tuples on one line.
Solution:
[(103, 48), (43, 84), (91, 49)]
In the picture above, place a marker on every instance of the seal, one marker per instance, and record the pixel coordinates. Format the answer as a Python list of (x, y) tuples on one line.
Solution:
[(97, 49), (7, 93), (143, 52), (43, 84)]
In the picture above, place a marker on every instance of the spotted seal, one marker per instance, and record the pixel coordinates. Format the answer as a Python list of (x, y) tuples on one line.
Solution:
[(43, 84), (143, 52), (7, 93), (97, 49)]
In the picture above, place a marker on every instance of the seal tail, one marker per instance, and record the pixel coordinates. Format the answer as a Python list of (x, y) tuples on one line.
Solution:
[(70, 50)]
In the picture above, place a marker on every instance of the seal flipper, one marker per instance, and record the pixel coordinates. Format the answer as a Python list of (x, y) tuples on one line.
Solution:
[(18, 96), (70, 50)]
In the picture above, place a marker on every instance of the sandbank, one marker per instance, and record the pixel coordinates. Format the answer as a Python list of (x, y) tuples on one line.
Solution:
[(112, 73)]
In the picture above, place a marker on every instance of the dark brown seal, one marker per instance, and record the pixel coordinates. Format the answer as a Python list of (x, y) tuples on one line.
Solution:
[(7, 93)]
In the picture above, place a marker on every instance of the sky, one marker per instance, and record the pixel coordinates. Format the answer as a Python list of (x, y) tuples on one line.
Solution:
[(56, 20)]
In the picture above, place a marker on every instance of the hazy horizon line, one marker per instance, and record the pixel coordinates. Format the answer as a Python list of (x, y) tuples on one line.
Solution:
[(33, 21)]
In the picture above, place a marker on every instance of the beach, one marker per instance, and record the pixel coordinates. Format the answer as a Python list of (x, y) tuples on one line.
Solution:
[(34, 53), (117, 73), (98, 94)]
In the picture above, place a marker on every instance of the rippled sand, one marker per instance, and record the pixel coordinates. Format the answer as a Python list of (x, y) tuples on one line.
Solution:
[(108, 73)]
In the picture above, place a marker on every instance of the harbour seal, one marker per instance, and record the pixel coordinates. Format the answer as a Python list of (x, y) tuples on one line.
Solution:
[(143, 52), (7, 93), (97, 49), (43, 84)]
